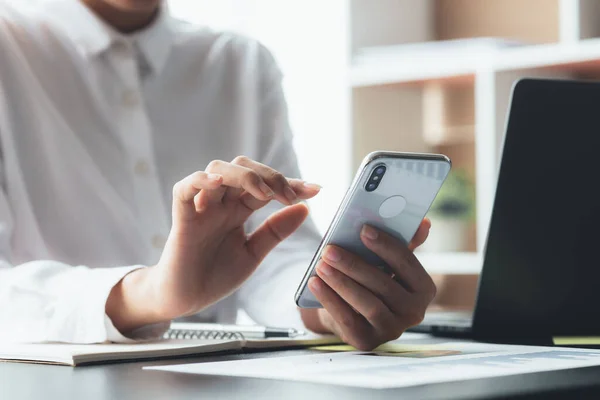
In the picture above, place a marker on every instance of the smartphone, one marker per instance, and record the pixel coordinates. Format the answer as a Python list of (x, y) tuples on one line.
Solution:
[(392, 192)]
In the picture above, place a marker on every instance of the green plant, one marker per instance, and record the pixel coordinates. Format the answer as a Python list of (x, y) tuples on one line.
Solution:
[(456, 198)]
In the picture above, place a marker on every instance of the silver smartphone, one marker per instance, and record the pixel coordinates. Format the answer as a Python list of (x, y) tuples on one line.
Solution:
[(391, 191)]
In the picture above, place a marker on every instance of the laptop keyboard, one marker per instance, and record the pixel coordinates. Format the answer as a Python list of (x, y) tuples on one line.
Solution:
[(455, 318)]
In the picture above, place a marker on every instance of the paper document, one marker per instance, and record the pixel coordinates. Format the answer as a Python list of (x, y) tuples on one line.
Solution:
[(439, 363)]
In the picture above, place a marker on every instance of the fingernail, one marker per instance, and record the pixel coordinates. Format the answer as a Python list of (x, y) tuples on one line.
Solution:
[(369, 232), (290, 194), (312, 186), (324, 269), (214, 177), (332, 254), (266, 189)]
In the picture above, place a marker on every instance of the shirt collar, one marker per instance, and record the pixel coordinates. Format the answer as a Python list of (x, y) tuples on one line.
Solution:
[(92, 36), (155, 42)]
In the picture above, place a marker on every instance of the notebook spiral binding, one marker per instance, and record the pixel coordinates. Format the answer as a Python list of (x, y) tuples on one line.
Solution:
[(189, 334)]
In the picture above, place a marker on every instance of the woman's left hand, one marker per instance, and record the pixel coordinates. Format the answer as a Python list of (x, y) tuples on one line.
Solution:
[(363, 305)]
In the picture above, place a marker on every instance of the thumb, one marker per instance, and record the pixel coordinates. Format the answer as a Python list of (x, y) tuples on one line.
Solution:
[(276, 228), (421, 236)]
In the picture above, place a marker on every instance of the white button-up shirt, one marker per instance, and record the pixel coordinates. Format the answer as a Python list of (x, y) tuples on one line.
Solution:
[(95, 128)]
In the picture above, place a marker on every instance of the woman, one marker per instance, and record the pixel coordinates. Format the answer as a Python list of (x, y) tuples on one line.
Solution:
[(109, 111)]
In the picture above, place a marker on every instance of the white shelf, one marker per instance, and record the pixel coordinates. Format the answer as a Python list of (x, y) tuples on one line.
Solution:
[(406, 71), (377, 69), (423, 61), (451, 263), (548, 55)]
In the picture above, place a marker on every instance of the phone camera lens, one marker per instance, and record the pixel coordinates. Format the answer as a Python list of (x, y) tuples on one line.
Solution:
[(375, 178)]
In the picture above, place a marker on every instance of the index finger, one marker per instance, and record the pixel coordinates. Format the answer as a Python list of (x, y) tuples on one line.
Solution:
[(287, 190), (282, 187), (304, 189), (239, 177)]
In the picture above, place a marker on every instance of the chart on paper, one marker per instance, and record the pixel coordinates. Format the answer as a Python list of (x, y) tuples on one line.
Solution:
[(379, 370), (462, 367)]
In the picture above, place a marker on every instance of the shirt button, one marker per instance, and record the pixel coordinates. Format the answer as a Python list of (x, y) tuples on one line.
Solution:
[(158, 242), (141, 167), (130, 98), (120, 47)]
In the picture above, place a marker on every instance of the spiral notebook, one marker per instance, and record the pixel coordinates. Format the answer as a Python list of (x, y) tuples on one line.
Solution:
[(204, 342), (191, 330)]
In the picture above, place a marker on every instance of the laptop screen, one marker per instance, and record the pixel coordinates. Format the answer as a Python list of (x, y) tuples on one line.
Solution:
[(541, 272)]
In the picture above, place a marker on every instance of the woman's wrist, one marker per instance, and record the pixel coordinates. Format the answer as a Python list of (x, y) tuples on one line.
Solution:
[(134, 302)]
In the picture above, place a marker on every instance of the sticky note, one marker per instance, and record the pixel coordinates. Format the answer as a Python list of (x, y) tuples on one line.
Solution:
[(576, 340), (385, 348)]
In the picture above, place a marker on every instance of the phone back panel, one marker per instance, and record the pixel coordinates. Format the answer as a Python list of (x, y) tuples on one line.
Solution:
[(416, 178)]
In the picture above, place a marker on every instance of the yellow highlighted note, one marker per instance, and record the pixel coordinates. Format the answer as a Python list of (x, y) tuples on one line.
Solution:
[(576, 340), (386, 347), (397, 350)]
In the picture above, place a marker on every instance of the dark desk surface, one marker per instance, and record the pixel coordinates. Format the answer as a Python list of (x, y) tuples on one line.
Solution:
[(129, 381)]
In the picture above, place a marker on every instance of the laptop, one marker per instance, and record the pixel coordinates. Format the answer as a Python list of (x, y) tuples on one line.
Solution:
[(541, 267)]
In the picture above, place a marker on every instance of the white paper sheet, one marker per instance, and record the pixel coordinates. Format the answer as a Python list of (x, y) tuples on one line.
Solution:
[(364, 369)]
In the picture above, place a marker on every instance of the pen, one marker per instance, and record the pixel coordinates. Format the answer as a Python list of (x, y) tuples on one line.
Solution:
[(248, 331), (265, 332)]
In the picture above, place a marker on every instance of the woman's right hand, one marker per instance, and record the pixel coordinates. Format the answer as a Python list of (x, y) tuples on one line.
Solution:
[(208, 253)]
